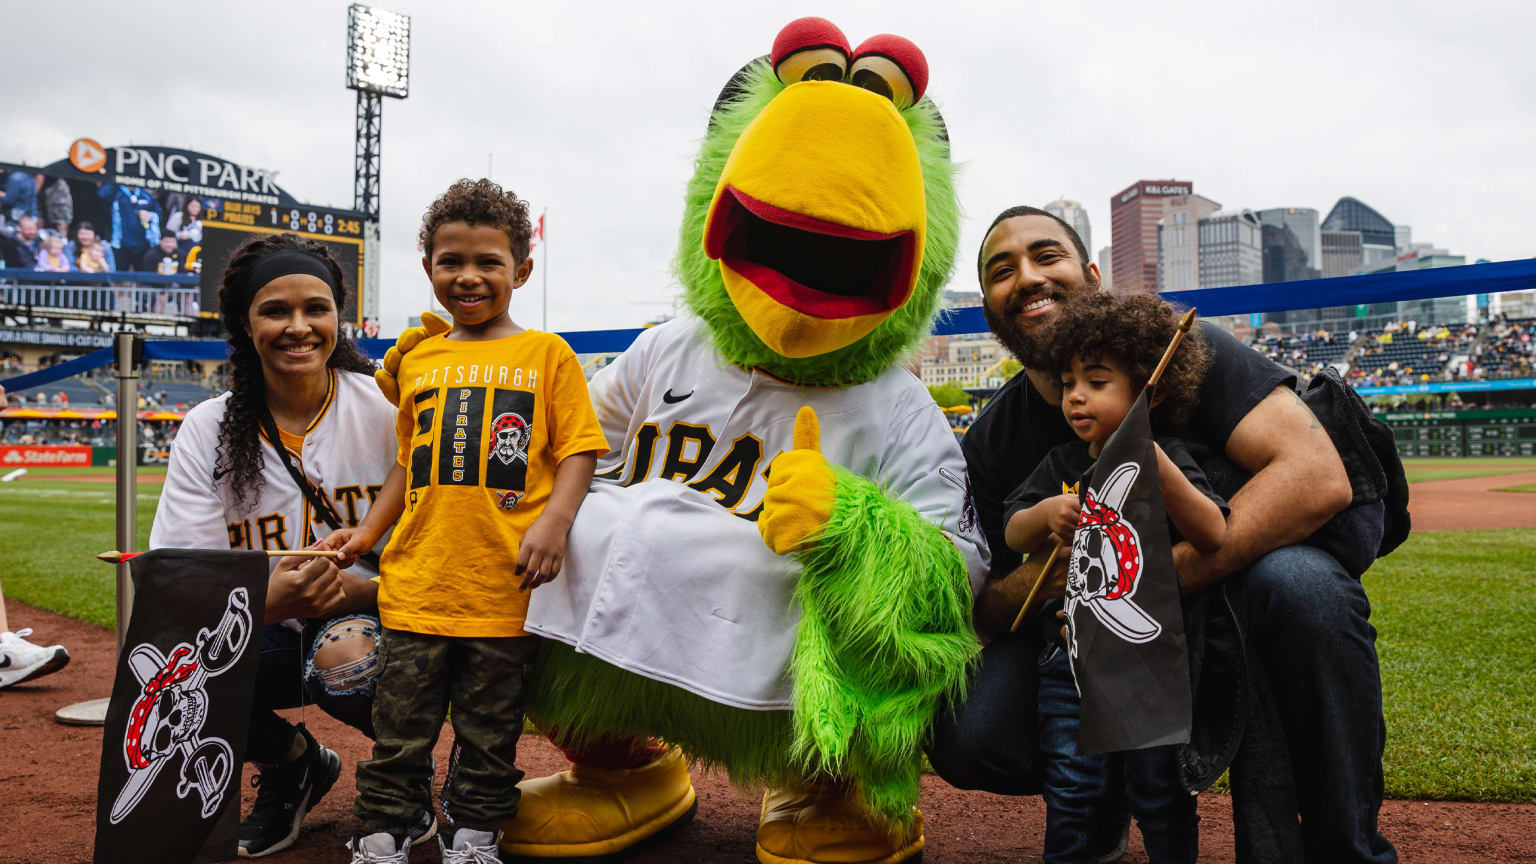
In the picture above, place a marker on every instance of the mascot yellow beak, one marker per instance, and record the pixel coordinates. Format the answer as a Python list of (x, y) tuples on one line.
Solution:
[(819, 219)]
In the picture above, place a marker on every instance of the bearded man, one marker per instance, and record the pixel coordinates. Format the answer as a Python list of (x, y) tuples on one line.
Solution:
[(1310, 742)]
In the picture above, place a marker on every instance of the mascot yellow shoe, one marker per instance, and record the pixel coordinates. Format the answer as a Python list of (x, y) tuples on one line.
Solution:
[(592, 814), (779, 602), (825, 824)]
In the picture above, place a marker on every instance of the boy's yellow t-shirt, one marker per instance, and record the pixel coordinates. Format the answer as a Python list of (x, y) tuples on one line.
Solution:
[(481, 426)]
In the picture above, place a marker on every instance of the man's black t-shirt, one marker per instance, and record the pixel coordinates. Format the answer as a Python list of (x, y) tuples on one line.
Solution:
[(1018, 427)]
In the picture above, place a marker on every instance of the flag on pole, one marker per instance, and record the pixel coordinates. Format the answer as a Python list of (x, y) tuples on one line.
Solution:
[(168, 789), (1124, 623), (538, 233)]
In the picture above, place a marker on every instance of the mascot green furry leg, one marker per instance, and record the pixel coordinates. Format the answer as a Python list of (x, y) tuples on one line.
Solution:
[(795, 623)]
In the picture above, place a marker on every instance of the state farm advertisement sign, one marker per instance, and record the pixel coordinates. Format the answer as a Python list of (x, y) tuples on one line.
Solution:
[(24, 457)]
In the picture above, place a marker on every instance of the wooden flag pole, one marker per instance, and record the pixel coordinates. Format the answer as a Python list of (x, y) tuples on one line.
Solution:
[(116, 557), (1034, 589), (1178, 336)]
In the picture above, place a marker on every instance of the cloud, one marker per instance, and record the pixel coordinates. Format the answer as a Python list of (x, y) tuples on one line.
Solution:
[(593, 112)]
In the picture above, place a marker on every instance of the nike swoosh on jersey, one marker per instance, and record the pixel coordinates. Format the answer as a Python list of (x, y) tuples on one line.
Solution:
[(669, 398)]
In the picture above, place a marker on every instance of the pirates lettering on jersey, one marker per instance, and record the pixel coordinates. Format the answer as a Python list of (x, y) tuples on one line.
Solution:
[(271, 530), (454, 423), (687, 450)]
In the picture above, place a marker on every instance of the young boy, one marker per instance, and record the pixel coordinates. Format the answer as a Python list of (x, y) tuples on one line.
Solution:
[(1105, 350), (498, 441)]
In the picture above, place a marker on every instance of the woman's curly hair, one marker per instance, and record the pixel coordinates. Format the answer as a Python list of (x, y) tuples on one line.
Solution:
[(1132, 332), (479, 202), (239, 447)]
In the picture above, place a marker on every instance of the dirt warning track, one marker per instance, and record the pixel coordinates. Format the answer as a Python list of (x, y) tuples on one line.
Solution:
[(52, 771)]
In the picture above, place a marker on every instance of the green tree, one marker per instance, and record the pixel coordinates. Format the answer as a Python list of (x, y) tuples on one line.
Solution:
[(948, 394)]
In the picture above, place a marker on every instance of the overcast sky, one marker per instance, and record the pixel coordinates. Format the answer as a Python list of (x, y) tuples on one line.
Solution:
[(1425, 111)]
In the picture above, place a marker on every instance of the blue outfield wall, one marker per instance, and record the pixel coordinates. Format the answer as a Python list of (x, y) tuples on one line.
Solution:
[(1491, 278)]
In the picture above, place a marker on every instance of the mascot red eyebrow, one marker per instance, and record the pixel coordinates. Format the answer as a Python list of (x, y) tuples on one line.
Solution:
[(773, 572)]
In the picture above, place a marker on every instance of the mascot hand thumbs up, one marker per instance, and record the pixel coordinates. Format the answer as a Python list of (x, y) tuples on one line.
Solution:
[(800, 492)]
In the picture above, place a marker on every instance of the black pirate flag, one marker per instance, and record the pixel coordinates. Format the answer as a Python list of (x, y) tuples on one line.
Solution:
[(1125, 626), (175, 733)]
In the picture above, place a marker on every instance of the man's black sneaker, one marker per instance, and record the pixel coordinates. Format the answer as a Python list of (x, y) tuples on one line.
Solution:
[(284, 794)]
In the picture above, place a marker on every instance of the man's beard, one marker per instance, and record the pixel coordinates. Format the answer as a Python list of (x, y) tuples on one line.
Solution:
[(1023, 344)]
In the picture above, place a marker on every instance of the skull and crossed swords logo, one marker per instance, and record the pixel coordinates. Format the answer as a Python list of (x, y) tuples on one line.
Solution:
[(509, 434), (168, 715), (1106, 565)]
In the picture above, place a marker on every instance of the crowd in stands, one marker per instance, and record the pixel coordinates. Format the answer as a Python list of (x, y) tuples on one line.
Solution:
[(1404, 353), (39, 231), (153, 434)]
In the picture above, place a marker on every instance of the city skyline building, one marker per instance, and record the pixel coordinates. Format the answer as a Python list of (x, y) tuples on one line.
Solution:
[(1304, 225), (1378, 236), (1106, 260), (1178, 242), (1343, 253), (1231, 249), (1134, 214), (1074, 214)]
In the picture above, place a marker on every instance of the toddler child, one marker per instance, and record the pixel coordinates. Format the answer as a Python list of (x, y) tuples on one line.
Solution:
[(1104, 350)]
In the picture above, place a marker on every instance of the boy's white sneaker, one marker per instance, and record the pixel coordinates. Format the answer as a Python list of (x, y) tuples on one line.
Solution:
[(470, 847), (379, 849), (20, 660)]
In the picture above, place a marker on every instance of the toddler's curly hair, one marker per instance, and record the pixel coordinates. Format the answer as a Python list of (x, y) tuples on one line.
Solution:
[(1133, 333), (479, 202)]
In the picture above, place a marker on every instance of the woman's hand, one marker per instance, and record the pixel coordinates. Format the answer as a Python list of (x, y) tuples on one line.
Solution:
[(350, 543), (303, 588), (1061, 515), (542, 551)]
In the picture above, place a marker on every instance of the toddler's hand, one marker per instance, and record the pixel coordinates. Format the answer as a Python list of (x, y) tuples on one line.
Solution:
[(350, 542), (541, 553), (1061, 515)]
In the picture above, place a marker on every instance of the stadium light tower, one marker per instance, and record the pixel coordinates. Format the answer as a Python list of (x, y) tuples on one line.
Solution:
[(378, 65)]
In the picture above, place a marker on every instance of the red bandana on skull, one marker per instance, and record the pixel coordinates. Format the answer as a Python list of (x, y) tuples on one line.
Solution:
[(1127, 553)]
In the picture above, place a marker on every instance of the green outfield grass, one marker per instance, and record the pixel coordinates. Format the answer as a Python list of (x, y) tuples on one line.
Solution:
[(1524, 487), (1452, 608), (1427, 470)]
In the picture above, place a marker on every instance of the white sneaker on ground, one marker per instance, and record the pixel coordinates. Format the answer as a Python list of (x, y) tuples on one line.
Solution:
[(20, 660), (470, 847), (379, 849)]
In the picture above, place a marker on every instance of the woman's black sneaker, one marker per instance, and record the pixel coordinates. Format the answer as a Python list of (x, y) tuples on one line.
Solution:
[(284, 794)]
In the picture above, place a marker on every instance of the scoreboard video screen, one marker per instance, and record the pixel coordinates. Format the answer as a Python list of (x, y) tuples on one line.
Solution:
[(224, 229), (133, 196)]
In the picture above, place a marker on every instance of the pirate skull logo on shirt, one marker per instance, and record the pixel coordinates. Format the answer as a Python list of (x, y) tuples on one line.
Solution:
[(510, 432)]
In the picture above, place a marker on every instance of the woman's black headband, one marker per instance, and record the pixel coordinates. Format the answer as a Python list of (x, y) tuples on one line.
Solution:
[(287, 262)]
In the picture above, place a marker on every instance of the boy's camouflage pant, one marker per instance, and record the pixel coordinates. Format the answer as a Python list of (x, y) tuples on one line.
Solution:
[(420, 676)]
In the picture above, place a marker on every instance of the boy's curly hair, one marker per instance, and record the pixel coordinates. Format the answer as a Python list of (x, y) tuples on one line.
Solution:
[(479, 202), (1132, 332)]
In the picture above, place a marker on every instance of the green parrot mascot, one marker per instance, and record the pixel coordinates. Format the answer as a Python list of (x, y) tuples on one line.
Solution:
[(774, 569)]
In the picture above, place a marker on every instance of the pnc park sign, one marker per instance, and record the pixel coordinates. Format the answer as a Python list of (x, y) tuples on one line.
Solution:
[(169, 169)]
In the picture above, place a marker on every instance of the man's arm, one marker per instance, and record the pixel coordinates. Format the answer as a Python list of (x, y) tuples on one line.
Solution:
[(1297, 484), (997, 605)]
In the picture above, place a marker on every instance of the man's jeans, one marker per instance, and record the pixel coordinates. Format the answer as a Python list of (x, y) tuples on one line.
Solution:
[(1083, 794), (1309, 624)]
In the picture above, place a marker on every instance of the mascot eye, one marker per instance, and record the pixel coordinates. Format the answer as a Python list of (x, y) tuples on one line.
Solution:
[(891, 66), (810, 49)]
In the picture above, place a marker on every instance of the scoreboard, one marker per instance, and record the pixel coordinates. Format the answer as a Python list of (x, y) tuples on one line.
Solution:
[(227, 226), (107, 184), (1464, 433)]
